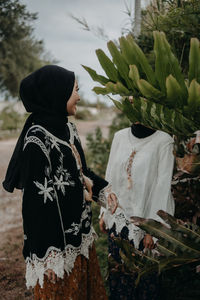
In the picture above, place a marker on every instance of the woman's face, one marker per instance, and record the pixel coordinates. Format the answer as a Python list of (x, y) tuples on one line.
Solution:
[(71, 103)]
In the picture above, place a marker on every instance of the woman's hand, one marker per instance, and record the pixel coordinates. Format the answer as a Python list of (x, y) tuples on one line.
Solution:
[(148, 241), (112, 202), (51, 276), (102, 225)]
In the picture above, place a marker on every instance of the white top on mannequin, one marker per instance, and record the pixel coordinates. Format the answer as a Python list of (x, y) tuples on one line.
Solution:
[(151, 174)]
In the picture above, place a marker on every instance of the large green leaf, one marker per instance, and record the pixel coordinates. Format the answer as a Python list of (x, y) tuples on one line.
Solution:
[(134, 75), (107, 65), (194, 60), (99, 78), (142, 60), (166, 63), (148, 90), (174, 92), (194, 97), (120, 63)]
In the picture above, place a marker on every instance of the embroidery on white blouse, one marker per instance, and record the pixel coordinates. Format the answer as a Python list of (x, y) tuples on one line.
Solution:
[(60, 183), (75, 228), (45, 190)]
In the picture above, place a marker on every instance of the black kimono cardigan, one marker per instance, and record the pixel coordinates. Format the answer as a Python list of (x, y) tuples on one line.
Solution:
[(56, 217)]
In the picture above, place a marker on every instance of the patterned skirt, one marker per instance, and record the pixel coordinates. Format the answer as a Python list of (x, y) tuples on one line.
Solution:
[(84, 283)]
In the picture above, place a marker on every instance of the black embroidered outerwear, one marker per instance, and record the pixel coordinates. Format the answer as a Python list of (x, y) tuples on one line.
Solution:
[(56, 217)]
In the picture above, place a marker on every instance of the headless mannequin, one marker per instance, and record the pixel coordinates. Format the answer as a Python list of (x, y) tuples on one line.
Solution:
[(140, 131)]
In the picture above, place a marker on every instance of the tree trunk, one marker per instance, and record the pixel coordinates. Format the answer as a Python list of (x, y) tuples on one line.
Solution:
[(137, 25)]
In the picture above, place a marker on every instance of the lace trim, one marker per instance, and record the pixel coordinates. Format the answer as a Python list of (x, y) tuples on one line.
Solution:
[(37, 141), (103, 194), (57, 260), (120, 221)]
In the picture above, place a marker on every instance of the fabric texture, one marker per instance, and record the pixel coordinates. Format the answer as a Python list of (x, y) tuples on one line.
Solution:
[(149, 171), (84, 283), (44, 94), (56, 217)]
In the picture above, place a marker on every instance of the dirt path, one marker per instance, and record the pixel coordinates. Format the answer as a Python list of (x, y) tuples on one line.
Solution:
[(12, 268)]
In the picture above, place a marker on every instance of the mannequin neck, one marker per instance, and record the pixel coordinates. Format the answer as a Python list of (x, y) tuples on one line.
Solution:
[(140, 131)]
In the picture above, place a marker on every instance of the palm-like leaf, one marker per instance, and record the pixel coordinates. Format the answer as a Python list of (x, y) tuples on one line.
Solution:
[(163, 98), (177, 246)]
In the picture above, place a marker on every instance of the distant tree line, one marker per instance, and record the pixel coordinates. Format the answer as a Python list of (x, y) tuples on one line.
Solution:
[(20, 51)]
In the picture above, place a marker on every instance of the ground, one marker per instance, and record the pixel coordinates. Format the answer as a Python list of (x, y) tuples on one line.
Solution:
[(12, 267)]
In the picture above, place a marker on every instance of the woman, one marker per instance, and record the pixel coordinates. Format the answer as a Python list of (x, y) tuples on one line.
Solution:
[(139, 170), (48, 164)]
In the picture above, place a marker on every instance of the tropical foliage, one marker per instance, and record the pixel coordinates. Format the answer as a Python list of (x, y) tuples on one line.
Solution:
[(178, 19), (160, 97), (163, 99)]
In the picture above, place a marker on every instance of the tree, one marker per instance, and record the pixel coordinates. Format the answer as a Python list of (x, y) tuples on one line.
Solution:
[(137, 17), (20, 52), (178, 19)]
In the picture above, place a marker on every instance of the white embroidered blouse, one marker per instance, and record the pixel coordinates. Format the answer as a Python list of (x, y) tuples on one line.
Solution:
[(140, 172)]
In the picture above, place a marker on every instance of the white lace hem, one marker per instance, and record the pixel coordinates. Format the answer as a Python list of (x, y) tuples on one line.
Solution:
[(57, 260), (120, 221)]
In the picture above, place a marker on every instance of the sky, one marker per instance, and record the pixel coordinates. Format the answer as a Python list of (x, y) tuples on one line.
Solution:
[(68, 43)]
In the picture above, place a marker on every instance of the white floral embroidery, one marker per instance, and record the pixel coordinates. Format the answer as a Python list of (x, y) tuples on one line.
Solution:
[(87, 224), (45, 189), (60, 183), (75, 228), (54, 143), (73, 133), (47, 171)]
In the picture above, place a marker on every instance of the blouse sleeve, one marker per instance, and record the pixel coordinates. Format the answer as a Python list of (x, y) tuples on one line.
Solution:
[(161, 197), (39, 203), (108, 175)]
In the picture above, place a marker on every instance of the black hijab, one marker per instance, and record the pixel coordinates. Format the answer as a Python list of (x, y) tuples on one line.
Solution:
[(44, 94)]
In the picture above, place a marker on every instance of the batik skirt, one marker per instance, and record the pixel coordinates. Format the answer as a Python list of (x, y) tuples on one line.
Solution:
[(84, 283)]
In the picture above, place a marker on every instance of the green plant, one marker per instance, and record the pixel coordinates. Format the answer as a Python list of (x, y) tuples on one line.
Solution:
[(10, 119), (177, 250), (162, 98)]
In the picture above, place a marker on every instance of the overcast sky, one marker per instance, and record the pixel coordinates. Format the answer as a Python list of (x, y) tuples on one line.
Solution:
[(67, 42)]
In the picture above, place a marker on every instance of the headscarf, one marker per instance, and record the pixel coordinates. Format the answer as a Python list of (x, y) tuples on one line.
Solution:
[(44, 94)]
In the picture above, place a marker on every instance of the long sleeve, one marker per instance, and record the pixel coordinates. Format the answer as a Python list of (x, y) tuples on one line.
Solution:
[(161, 197), (39, 204), (109, 167)]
